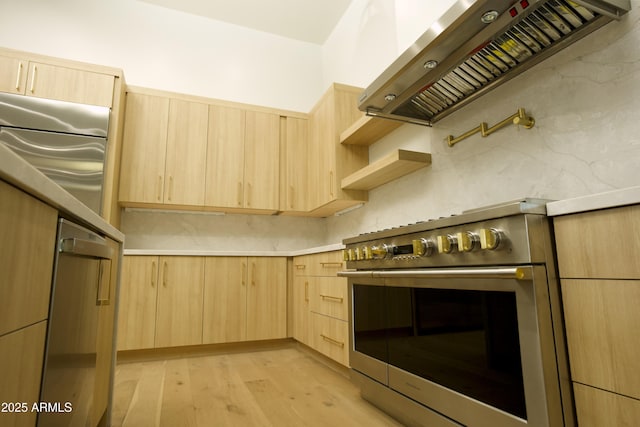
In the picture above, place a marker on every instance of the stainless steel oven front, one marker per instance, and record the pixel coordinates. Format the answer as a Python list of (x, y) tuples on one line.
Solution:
[(474, 342)]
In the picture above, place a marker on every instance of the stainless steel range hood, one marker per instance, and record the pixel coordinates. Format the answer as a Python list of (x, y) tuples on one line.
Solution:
[(476, 46)]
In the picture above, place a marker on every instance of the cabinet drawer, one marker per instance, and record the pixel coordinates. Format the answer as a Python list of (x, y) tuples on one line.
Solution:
[(21, 357), (329, 297), (603, 333), (330, 337), (325, 264), (599, 408), (601, 244), (28, 233)]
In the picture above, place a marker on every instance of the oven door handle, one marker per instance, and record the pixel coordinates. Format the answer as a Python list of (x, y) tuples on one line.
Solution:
[(517, 273)]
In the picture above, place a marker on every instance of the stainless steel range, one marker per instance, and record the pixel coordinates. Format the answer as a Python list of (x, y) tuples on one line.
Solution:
[(457, 321)]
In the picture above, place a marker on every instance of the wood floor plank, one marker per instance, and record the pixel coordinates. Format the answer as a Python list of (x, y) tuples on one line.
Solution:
[(144, 404), (276, 387), (220, 396)]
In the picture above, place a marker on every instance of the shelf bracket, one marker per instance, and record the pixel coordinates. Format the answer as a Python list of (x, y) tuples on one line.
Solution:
[(520, 118)]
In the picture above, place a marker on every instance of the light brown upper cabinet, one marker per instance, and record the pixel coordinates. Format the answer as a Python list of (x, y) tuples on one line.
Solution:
[(144, 149), (186, 153), (295, 186), (42, 80), (329, 161), (164, 151), (243, 159)]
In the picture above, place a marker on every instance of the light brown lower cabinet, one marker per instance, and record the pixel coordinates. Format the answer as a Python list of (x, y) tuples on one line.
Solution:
[(138, 298), (160, 302), (168, 301), (320, 305), (28, 233), (598, 255), (180, 296), (21, 358), (601, 408), (301, 311), (245, 299)]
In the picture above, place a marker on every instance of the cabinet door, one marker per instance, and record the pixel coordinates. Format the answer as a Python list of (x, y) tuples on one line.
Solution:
[(179, 315), (144, 149), (322, 171), (28, 230), (186, 153), (267, 298), (225, 157), (599, 408), (21, 358), (13, 74), (603, 333), (68, 84), (137, 309), (301, 285), (262, 161), (294, 195), (225, 300)]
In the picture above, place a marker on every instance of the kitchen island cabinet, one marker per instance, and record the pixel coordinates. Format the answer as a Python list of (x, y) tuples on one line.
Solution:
[(29, 212), (598, 255), (28, 228)]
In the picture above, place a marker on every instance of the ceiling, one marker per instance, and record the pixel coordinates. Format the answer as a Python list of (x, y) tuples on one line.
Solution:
[(305, 20)]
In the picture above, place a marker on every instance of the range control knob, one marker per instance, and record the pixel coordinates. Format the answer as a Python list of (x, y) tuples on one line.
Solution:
[(490, 238), (447, 244), (423, 247), (358, 254), (382, 251), (345, 255), (467, 241)]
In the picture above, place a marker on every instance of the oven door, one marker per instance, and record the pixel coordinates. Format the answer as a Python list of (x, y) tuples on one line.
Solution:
[(473, 344)]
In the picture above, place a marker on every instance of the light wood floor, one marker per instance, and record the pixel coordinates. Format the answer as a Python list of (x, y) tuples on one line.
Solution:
[(281, 387)]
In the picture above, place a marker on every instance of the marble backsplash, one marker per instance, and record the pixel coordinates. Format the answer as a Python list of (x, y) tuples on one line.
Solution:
[(586, 140), (231, 232)]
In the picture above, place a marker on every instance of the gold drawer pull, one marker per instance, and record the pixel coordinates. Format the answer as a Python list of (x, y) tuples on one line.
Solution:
[(332, 298), (300, 266), (331, 264), (332, 341)]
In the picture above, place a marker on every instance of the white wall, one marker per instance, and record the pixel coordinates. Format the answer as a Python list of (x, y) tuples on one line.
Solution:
[(169, 50)]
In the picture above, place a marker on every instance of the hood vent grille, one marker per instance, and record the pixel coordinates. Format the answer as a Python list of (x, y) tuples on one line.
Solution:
[(537, 33)]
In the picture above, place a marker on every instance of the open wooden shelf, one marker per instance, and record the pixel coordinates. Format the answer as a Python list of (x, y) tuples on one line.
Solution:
[(367, 130), (394, 165)]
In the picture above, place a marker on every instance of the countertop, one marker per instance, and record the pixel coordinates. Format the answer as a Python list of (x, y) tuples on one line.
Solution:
[(178, 252), (16, 171), (609, 199)]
